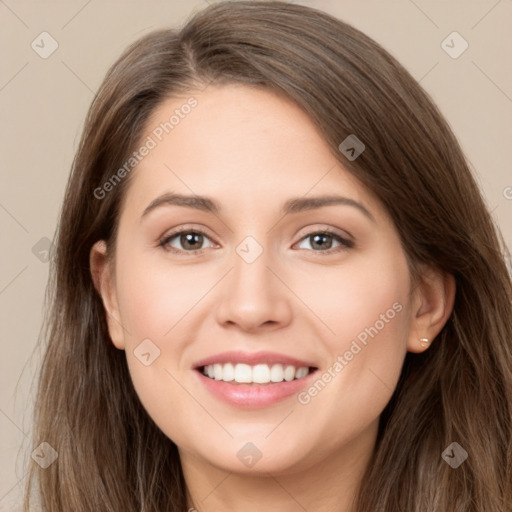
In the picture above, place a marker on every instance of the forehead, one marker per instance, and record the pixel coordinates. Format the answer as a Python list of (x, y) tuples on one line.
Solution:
[(237, 143), (237, 121)]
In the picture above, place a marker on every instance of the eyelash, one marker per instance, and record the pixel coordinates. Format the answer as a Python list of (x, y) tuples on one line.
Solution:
[(344, 243)]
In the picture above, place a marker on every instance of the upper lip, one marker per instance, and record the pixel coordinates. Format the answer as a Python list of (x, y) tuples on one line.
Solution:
[(252, 358)]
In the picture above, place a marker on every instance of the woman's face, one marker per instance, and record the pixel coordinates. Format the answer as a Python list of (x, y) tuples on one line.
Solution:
[(312, 326)]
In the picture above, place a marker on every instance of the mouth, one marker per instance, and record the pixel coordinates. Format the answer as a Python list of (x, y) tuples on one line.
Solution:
[(254, 380), (262, 374)]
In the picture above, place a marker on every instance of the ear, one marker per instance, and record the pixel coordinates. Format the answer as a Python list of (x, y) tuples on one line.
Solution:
[(104, 282), (433, 300)]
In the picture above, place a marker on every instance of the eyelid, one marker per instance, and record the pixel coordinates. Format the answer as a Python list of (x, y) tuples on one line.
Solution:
[(345, 242), (164, 240), (341, 233)]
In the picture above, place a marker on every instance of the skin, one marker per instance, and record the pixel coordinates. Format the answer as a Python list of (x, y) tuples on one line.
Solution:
[(251, 150)]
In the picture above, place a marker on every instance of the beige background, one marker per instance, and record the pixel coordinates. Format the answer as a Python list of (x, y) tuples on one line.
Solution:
[(43, 104)]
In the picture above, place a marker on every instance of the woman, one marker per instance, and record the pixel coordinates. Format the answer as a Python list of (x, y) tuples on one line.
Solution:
[(276, 285)]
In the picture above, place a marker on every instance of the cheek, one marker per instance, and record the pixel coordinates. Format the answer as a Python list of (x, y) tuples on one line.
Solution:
[(166, 401), (156, 303), (366, 293), (367, 307), (155, 296)]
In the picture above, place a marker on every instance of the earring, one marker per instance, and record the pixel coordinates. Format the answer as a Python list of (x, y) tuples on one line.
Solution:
[(424, 342)]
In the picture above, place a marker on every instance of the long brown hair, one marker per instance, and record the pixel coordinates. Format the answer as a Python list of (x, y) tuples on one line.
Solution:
[(111, 456)]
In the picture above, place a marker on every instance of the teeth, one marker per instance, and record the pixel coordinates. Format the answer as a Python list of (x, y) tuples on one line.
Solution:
[(259, 374), (289, 373), (301, 372), (228, 372), (277, 373), (243, 373)]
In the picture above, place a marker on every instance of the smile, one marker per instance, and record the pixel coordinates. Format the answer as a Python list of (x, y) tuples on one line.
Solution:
[(258, 374), (253, 380)]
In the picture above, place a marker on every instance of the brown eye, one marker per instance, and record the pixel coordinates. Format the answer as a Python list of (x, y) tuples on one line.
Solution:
[(322, 241), (187, 241)]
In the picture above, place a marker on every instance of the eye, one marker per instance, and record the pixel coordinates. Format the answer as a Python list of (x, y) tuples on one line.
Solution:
[(322, 241), (191, 241)]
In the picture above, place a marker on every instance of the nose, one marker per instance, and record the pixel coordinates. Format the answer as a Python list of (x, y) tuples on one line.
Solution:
[(254, 296)]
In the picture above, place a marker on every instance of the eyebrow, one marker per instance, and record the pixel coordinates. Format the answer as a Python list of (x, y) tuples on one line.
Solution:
[(294, 205)]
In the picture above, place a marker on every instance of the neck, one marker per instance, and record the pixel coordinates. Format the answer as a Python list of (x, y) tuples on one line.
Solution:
[(329, 484)]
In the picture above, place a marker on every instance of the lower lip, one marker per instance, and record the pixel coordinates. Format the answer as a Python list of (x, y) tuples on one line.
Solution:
[(251, 396)]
